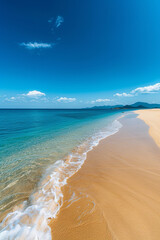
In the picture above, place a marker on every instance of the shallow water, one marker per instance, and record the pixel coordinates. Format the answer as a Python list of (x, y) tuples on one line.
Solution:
[(31, 143)]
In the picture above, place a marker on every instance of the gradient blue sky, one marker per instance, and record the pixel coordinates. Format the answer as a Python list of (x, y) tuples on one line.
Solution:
[(72, 53)]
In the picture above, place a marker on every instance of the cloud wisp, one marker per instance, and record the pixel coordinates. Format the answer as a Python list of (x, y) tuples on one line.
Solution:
[(148, 89), (10, 99), (140, 90), (123, 95), (44, 45), (31, 96), (101, 100), (36, 45), (51, 20), (66, 100), (59, 21)]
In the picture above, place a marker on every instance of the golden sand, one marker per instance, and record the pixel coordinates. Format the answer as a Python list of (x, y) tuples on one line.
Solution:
[(152, 118), (116, 193)]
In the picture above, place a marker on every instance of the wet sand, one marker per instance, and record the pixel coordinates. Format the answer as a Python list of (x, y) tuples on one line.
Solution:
[(116, 193)]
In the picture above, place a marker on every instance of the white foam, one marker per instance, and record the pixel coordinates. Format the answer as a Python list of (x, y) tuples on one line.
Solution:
[(31, 222)]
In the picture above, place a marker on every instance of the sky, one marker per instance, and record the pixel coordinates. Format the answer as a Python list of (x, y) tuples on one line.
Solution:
[(78, 53)]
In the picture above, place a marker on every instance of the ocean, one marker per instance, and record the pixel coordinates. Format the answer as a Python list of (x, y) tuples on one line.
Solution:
[(39, 151)]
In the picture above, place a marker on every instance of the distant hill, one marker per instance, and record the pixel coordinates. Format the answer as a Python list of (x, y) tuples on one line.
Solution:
[(137, 105), (146, 105), (106, 107)]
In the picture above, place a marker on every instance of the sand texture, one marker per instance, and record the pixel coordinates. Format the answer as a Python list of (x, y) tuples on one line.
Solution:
[(116, 193), (152, 119)]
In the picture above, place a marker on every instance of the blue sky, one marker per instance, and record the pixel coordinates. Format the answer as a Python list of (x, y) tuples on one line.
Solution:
[(64, 54)]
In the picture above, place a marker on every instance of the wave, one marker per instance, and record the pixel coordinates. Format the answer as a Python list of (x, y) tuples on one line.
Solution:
[(30, 220)]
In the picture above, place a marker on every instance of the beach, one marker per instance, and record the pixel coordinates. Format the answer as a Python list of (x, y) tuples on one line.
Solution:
[(41, 150), (116, 193), (80, 120), (151, 118)]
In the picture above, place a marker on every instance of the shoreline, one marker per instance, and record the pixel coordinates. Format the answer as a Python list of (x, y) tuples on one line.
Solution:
[(115, 193), (60, 172)]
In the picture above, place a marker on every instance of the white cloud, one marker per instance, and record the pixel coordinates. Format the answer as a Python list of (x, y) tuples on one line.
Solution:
[(36, 45), (34, 94), (147, 89), (59, 21), (10, 99), (123, 95), (65, 99), (30, 96), (101, 100)]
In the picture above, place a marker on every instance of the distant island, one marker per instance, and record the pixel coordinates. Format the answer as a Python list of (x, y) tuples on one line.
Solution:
[(137, 105)]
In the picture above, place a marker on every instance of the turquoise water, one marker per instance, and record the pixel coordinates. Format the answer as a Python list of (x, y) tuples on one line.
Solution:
[(31, 142)]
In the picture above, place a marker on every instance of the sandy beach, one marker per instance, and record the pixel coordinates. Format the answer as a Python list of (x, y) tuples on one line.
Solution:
[(152, 119), (116, 193)]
